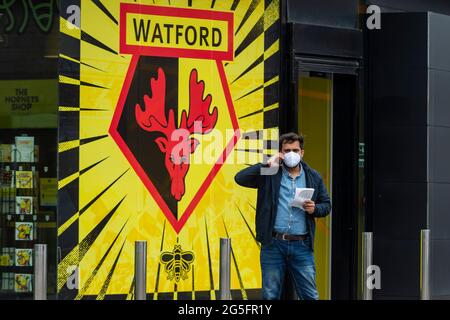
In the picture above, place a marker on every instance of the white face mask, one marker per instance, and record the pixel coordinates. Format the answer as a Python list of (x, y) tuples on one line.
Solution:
[(292, 159)]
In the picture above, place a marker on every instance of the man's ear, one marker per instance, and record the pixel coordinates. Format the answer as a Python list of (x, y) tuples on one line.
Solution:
[(302, 152), (162, 144)]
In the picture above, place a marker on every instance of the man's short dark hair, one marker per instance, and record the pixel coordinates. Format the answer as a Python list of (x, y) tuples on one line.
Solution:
[(290, 138)]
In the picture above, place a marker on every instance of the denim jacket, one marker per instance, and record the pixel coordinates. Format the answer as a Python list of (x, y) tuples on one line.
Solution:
[(267, 200)]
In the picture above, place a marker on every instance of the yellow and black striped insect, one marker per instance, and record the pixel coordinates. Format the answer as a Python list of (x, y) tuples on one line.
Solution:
[(177, 263)]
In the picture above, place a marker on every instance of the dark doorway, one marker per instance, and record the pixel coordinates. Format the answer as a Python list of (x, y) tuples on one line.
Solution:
[(344, 266), (326, 112)]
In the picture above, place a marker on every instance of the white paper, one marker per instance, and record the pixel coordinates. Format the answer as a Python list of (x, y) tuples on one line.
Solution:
[(301, 195)]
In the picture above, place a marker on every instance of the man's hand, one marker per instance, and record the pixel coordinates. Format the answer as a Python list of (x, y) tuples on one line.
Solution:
[(309, 206), (274, 161)]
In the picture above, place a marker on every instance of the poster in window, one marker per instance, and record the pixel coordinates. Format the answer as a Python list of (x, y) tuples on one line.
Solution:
[(24, 205), (24, 231), (24, 179), (24, 257), (23, 282), (24, 149), (5, 153), (48, 191)]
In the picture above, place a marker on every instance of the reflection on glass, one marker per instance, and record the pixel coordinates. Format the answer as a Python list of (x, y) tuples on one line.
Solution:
[(28, 142)]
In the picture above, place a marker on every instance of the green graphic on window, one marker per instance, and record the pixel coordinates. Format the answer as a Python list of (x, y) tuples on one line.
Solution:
[(41, 11)]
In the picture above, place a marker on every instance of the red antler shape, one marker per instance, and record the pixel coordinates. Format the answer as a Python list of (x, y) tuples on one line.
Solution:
[(198, 108), (153, 118)]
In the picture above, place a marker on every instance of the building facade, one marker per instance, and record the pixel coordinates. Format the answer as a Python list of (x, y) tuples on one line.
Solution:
[(93, 93)]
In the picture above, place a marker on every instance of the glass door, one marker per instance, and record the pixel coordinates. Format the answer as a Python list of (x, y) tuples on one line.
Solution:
[(315, 122), (329, 115)]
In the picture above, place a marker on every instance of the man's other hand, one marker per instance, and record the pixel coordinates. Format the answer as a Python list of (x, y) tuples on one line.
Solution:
[(309, 206), (274, 161)]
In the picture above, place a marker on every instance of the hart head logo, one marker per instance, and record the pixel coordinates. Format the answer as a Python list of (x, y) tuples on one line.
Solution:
[(175, 94), (175, 142)]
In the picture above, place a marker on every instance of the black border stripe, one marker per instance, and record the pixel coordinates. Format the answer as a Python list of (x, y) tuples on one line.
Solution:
[(271, 94), (99, 265), (271, 118), (248, 226), (92, 166), (252, 294), (272, 65), (248, 13), (105, 11), (101, 193), (111, 272), (184, 295), (193, 276), (68, 163), (68, 240), (87, 84), (90, 39), (88, 65), (69, 96), (165, 296), (211, 278), (235, 4), (92, 139), (203, 295), (68, 202), (64, 60), (256, 31), (213, 4), (69, 46), (241, 283), (267, 3), (254, 90), (86, 243), (158, 271), (271, 35), (251, 67), (92, 109), (69, 68), (251, 114), (131, 291)]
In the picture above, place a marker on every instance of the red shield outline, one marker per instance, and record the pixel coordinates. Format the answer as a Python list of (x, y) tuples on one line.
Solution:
[(176, 224)]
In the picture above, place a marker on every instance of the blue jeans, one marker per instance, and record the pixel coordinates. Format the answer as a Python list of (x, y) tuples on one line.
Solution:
[(298, 259)]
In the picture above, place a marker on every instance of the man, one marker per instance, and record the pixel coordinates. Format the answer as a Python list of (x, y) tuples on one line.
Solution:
[(286, 232)]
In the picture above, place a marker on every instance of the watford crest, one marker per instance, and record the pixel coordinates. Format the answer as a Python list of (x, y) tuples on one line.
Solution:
[(174, 96)]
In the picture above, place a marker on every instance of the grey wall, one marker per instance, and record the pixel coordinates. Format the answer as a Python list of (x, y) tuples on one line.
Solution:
[(439, 153), (398, 89), (439, 6), (340, 14), (410, 155)]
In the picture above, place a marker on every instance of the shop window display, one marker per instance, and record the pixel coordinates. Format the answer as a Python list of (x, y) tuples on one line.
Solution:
[(28, 143)]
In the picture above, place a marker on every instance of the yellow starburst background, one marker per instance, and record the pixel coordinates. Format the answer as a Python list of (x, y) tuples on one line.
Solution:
[(114, 207)]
